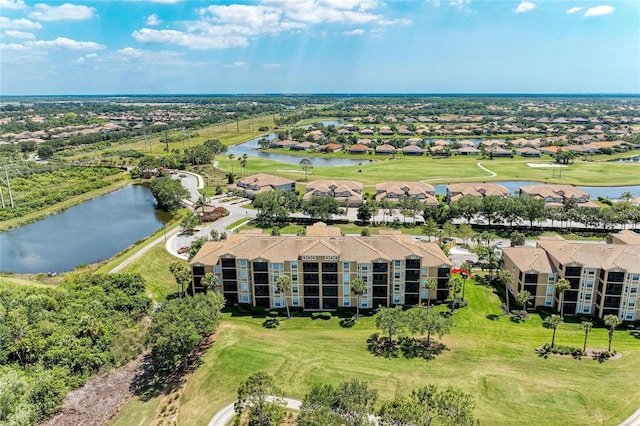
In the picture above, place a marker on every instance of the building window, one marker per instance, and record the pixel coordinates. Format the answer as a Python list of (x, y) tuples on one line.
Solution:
[(630, 316), (244, 275), (245, 287), (216, 269), (245, 298), (589, 283), (345, 266), (552, 278), (587, 297), (548, 301), (397, 263), (396, 299), (396, 287), (294, 265), (294, 278), (396, 275), (635, 277), (364, 304), (550, 290), (295, 301), (586, 309), (243, 263), (345, 290), (345, 302), (345, 278), (294, 289), (278, 303)]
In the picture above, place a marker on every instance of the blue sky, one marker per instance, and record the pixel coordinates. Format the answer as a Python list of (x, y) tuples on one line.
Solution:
[(319, 46)]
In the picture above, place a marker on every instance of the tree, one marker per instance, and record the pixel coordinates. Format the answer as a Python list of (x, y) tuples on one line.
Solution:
[(449, 229), (420, 321), (190, 222), (466, 206), (306, 165), (283, 285), (321, 207), (358, 287), (612, 322), (364, 213), (200, 203), (532, 208), (179, 325), (231, 157), (455, 284), (465, 231), (182, 275), (430, 228), (553, 322), (349, 404), (275, 206), (45, 151), (210, 282), (254, 396), (586, 326), (627, 196), (523, 299), (517, 238), (562, 285), (429, 285), (168, 193), (427, 406), (390, 320)]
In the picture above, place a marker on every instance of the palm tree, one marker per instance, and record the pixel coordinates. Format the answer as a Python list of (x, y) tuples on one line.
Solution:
[(210, 282), (306, 166), (200, 203), (553, 322), (430, 284), (358, 287), (586, 326), (231, 157), (627, 196), (561, 286), (504, 277), (283, 285), (455, 284), (612, 322), (523, 299)]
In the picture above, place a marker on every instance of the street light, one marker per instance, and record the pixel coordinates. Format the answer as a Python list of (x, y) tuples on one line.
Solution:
[(464, 281)]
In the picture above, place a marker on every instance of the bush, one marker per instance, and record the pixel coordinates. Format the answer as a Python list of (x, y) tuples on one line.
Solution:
[(271, 323), (321, 315), (274, 313), (244, 308), (347, 322), (258, 310)]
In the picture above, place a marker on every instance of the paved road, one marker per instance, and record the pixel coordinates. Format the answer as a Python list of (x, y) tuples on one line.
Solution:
[(225, 415), (633, 420)]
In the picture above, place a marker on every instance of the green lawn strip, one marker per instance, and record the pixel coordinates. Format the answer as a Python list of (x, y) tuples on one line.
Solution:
[(493, 359), (21, 280)]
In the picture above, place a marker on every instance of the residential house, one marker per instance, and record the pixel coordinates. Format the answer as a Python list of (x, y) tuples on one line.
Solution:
[(556, 195), (348, 193), (527, 151), (330, 147), (358, 149), (385, 131), (303, 146), (459, 190), (395, 190), (468, 150), (321, 266), (385, 149), (412, 150), (253, 185)]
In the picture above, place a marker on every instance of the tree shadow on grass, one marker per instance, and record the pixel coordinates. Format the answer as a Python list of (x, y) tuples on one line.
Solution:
[(418, 348), (635, 333), (493, 317)]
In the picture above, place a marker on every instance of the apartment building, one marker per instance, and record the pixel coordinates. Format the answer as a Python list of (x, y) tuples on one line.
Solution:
[(253, 185), (604, 278), (476, 189), (322, 265)]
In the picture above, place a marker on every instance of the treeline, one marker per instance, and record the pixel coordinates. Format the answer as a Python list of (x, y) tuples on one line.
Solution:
[(351, 403), (53, 339)]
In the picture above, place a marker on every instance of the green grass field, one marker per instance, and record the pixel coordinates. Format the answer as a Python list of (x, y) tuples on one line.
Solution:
[(495, 360)]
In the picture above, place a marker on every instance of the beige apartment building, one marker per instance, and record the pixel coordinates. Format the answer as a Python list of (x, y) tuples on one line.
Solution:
[(322, 266), (604, 278)]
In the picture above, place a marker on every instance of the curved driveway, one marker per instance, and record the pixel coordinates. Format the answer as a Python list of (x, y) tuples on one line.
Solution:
[(226, 413)]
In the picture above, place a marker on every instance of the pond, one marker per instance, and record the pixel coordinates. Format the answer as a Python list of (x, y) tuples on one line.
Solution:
[(632, 159), (610, 192), (92, 231), (251, 148)]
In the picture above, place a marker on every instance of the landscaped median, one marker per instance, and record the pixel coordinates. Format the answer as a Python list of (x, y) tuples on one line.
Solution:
[(488, 356)]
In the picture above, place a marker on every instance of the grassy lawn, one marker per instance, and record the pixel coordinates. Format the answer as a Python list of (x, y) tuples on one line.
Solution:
[(494, 359), (458, 169)]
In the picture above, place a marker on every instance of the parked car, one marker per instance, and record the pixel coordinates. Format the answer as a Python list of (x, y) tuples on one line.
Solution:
[(184, 250)]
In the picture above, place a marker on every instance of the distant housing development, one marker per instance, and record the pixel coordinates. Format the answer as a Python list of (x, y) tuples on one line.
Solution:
[(604, 278), (322, 266)]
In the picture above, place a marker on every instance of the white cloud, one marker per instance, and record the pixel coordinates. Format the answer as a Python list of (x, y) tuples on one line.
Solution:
[(66, 43), (574, 9), (190, 40), (153, 20), (236, 25), (20, 34), (459, 3), (525, 6), (236, 64), (83, 59), (599, 10), (12, 4), (357, 31), (272, 65), (19, 24), (44, 12)]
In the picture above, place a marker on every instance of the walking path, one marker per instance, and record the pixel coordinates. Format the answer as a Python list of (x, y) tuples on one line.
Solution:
[(633, 420), (493, 174), (226, 413)]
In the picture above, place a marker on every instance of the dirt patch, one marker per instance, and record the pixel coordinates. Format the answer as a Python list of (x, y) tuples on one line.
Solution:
[(99, 400)]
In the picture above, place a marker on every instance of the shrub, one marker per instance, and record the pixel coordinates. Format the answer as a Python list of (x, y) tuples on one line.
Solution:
[(347, 322), (258, 310), (273, 314), (271, 323), (244, 308)]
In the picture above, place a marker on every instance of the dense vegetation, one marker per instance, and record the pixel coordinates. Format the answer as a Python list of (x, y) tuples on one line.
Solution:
[(169, 193), (53, 339), (36, 188)]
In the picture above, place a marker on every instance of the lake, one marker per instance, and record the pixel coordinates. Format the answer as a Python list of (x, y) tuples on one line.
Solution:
[(251, 149), (89, 232)]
